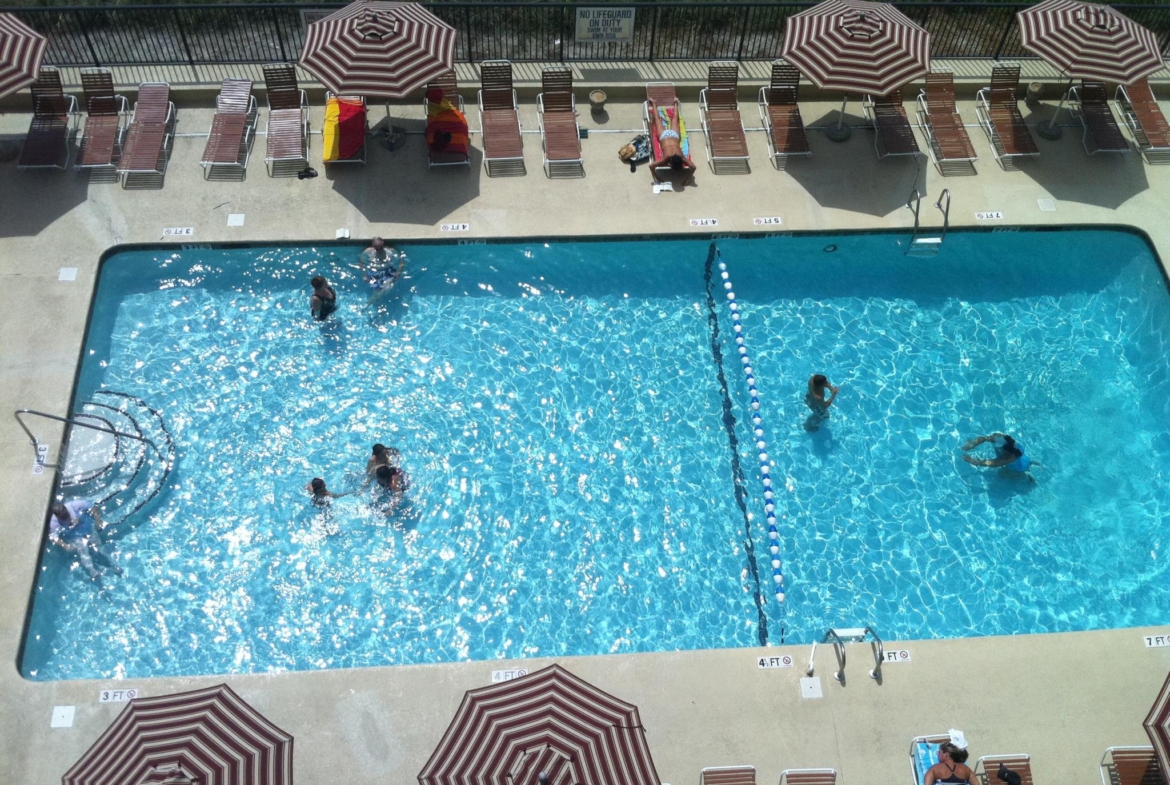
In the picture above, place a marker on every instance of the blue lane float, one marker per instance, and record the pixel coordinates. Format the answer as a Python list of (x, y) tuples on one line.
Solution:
[(757, 430)]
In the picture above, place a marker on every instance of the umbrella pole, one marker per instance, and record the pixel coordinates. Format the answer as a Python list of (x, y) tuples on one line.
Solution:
[(1051, 130), (840, 132)]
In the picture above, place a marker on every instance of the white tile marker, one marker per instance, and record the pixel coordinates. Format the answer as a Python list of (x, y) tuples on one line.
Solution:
[(67, 274), (62, 717), (236, 219)]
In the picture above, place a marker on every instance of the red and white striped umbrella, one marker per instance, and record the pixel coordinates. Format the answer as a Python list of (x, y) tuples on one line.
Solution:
[(209, 737), (21, 52), (1089, 41), (381, 49), (546, 723), (856, 46), (1158, 726)]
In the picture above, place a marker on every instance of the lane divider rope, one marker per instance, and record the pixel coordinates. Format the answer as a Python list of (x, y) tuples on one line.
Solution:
[(757, 428)]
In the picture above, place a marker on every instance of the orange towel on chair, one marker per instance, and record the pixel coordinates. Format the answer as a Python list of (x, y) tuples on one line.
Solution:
[(345, 128), (446, 128)]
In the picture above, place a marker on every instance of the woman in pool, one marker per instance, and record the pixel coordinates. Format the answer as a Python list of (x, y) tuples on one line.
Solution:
[(321, 496), (323, 300), (670, 139), (816, 400), (951, 766), (1009, 455)]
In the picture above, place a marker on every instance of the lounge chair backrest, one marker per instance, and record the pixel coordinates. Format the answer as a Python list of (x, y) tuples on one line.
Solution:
[(280, 79), (1005, 81), (785, 84), (1140, 92), (96, 82), (48, 83), (940, 92), (557, 86), (51, 106), (1094, 93), (723, 85), (893, 98), (447, 83), (102, 106), (235, 96), (153, 104), (495, 78)]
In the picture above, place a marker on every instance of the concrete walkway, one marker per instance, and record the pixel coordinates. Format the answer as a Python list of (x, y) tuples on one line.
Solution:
[(1063, 698)]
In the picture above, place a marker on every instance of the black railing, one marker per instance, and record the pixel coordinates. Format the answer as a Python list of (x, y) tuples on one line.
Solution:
[(540, 32)]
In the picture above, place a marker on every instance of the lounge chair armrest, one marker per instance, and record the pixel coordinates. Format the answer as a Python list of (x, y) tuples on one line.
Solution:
[(1073, 96), (703, 99), (540, 104), (923, 106), (1121, 96), (765, 93), (479, 100), (515, 103)]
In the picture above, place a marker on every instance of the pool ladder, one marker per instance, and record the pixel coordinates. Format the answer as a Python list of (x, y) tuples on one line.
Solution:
[(928, 246), (839, 636)]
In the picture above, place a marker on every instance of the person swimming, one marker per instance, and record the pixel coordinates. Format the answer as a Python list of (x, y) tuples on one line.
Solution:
[(381, 266), (323, 300), (1009, 455), (382, 456)]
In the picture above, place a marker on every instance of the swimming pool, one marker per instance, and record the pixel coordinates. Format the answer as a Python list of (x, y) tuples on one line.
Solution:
[(572, 419)]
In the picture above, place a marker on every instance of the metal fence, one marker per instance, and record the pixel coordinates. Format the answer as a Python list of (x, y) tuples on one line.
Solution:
[(540, 32)]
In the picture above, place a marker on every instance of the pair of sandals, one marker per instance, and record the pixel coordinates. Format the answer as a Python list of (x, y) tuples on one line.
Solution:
[(306, 173)]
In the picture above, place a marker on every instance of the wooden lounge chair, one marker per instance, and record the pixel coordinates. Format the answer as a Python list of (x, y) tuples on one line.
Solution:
[(894, 135), (149, 136), (808, 777), (47, 84), (560, 136), (101, 138), (780, 114), (448, 157), (1131, 766), (999, 113), (722, 125), (229, 145), (97, 83), (350, 133), (499, 119), (947, 140), (728, 775), (1147, 124), (288, 120), (47, 143), (664, 96), (1102, 134), (987, 767)]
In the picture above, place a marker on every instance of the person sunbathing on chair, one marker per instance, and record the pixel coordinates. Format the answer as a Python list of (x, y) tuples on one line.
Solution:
[(670, 139), (381, 266), (950, 767)]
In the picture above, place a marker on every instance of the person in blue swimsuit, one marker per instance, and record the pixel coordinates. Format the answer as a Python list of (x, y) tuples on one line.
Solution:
[(951, 766), (381, 266), (1009, 454), (75, 527)]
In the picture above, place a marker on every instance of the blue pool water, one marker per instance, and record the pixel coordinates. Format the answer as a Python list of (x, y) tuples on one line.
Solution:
[(581, 464)]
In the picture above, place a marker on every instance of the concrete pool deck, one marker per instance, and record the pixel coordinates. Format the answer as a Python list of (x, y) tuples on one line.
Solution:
[(1063, 698)]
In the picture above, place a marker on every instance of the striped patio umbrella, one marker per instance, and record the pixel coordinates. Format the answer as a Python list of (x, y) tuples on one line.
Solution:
[(548, 728), (375, 48), (21, 52), (1089, 41), (208, 737), (856, 46), (1158, 726)]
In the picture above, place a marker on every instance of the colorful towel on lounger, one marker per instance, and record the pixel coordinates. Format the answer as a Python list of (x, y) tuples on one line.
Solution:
[(925, 756), (446, 128), (664, 116), (344, 131)]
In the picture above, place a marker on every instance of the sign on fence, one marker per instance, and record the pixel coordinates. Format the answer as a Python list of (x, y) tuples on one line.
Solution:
[(605, 24)]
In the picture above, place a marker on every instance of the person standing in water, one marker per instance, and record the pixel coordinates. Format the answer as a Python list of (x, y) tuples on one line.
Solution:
[(816, 400), (323, 300)]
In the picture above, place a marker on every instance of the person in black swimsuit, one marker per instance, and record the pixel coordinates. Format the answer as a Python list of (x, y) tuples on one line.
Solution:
[(323, 301), (951, 766)]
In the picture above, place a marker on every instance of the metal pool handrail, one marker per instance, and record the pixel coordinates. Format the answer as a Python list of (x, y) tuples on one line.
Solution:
[(33, 440)]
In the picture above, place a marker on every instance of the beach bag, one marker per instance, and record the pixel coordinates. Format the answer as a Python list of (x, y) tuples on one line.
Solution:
[(636, 152)]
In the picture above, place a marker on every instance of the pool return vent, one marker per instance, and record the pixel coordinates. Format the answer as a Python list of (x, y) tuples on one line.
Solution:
[(757, 428), (116, 450), (928, 245), (839, 636)]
